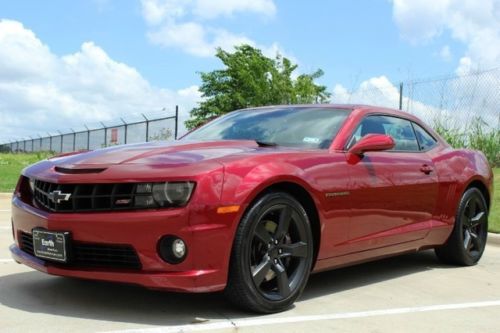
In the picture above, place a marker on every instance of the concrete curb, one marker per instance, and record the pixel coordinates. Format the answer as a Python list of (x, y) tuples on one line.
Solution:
[(493, 239), (4, 195)]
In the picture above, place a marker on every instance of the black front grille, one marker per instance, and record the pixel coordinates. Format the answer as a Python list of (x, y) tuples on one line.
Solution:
[(93, 255), (85, 197)]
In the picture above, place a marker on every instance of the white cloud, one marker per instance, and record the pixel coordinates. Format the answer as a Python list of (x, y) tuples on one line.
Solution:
[(179, 24), (474, 23), (157, 11), (420, 20), (41, 91), (195, 39), (214, 8), (374, 91)]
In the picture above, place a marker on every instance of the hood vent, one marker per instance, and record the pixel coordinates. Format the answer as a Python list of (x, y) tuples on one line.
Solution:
[(78, 170)]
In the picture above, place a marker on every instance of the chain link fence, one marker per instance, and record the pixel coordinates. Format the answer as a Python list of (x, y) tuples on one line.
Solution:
[(453, 100), (463, 109), (139, 128), (456, 101)]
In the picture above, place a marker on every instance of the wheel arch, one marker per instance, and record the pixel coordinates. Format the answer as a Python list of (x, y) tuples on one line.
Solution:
[(481, 186), (305, 198)]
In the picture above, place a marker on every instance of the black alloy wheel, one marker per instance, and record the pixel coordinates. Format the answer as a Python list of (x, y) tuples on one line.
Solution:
[(272, 255), (467, 242), (474, 226)]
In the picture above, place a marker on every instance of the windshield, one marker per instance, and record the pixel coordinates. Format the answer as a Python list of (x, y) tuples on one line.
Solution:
[(307, 127)]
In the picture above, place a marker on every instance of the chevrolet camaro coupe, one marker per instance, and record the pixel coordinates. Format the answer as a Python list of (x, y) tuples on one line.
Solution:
[(253, 202)]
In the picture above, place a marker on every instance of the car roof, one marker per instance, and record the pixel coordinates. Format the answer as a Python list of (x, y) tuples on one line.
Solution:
[(360, 108)]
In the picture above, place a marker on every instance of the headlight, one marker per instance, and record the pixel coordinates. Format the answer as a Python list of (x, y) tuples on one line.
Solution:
[(32, 185), (177, 193), (151, 195)]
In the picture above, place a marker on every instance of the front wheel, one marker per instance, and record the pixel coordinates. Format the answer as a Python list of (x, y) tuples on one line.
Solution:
[(272, 255), (468, 239)]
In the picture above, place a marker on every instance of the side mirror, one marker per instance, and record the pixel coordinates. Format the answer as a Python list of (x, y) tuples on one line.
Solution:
[(372, 142)]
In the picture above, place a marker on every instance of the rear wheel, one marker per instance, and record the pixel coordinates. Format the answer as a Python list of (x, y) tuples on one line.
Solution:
[(272, 255), (468, 239)]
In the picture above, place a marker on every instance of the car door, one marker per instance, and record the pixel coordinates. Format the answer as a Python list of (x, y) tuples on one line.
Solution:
[(393, 192)]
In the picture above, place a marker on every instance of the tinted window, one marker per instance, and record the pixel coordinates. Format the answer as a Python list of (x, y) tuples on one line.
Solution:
[(425, 140), (399, 129), (291, 126)]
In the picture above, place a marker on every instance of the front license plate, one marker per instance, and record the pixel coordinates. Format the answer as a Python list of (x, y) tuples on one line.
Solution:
[(51, 245)]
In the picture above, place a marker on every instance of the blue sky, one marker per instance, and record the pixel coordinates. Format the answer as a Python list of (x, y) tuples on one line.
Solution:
[(349, 40), (153, 49)]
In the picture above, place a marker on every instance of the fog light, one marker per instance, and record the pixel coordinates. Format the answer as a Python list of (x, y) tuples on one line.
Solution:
[(172, 249), (179, 248)]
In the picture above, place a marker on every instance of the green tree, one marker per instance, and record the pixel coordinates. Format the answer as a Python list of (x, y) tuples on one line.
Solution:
[(251, 79)]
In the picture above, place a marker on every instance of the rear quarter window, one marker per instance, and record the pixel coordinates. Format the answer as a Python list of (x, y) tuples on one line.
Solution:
[(425, 140)]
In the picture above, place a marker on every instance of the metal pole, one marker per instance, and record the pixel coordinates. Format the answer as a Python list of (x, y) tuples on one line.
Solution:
[(74, 139), (126, 125), (61, 150), (50, 141), (401, 95), (105, 134), (88, 137), (147, 127), (176, 121)]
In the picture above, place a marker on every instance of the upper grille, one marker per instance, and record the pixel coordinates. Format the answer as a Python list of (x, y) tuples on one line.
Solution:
[(92, 255), (86, 197)]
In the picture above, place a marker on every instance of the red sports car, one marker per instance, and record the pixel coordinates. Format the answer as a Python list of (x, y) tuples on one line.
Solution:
[(253, 202)]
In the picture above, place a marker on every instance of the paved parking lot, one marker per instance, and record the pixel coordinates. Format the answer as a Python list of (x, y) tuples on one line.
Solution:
[(411, 293)]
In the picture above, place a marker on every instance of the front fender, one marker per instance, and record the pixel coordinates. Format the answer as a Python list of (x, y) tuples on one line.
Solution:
[(242, 188)]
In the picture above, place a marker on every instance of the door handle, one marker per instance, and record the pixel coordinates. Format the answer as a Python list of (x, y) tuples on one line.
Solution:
[(426, 169)]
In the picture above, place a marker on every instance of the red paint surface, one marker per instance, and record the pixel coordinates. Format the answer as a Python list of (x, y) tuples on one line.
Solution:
[(392, 206)]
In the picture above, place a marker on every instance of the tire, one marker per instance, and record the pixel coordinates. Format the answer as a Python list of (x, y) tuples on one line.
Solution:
[(466, 244), (272, 255)]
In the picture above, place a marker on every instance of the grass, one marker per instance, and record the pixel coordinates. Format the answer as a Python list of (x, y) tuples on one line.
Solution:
[(12, 164), (476, 135), (494, 219)]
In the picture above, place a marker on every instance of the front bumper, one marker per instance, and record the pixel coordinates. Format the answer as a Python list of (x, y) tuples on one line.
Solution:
[(203, 270), (185, 281)]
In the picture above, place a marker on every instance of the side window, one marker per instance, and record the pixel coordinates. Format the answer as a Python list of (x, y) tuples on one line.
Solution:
[(425, 140), (399, 129)]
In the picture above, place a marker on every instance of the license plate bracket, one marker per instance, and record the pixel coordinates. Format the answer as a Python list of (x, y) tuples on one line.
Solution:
[(51, 245)]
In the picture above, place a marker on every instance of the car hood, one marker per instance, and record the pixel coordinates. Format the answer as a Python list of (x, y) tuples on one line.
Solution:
[(158, 153)]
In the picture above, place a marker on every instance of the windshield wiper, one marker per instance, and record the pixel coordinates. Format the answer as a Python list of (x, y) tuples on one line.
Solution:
[(266, 144)]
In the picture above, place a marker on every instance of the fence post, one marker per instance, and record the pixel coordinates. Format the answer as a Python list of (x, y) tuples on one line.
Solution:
[(105, 134), (61, 148), (50, 141), (74, 139), (176, 121), (126, 125), (147, 127), (88, 137), (401, 96)]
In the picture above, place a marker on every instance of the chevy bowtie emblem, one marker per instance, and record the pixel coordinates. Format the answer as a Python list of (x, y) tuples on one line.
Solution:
[(58, 196)]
